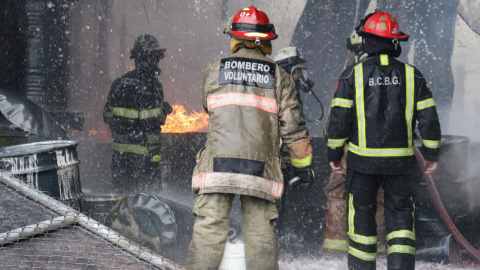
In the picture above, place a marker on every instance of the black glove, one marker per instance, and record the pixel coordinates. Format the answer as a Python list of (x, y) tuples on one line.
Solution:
[(303, 178), (166, 109)]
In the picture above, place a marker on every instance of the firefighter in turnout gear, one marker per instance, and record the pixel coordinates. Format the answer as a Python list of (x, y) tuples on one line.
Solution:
[(252, 103), (336, 239), (375, 109), (134, 112), (291, 61)]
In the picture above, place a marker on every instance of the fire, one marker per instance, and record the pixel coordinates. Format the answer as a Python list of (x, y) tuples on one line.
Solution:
[(180, 121), (102, 132)]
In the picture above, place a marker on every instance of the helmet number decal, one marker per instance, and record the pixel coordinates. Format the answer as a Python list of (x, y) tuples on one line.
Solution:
[(243, 14)]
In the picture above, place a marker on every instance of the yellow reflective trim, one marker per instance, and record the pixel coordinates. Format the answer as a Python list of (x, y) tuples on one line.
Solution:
[(410, 75), (431, 144), (413, 214), (356, 40), (351, 214), (371, 25), (131, 148), (156, 158), (401, 234), (362, 141), (255, 34), (383, 18), (362, 255), (366, 240), (150, 113), (336, 241), (335, 244), (383, 26), (401, 249), (380, 152), (427, 103), (384, 60), (336, 142), (341, 102), (381, 248), (124, 112), (303, 162)]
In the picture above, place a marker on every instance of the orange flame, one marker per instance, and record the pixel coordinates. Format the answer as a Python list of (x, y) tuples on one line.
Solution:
[(180, 121), (102, 132)]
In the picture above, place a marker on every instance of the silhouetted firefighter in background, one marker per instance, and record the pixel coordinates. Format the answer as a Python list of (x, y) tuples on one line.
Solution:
[(375, 109), (134, 112), (293, 63), (251, 102)]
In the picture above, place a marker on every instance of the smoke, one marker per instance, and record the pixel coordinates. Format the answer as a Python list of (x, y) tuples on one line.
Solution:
[(466, 99)]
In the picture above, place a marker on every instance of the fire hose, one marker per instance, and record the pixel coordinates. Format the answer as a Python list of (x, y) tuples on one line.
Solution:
[(443, 212)]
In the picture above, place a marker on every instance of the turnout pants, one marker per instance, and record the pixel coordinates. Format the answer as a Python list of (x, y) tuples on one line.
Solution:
[(132, 173), (336, 238), (399, 220), (210, 231)]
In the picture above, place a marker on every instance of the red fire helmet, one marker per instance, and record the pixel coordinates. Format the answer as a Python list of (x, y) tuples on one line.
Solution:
[(381, 24), (251, 24)]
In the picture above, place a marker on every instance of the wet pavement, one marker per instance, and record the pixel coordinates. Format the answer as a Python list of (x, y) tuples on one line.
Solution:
[(341, 264)]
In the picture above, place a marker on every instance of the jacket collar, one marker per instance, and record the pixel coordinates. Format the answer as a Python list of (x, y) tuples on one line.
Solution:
[(148, 69)]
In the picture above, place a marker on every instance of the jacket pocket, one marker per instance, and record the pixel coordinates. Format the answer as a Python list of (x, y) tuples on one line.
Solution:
[(200, 153), (199, 206), (271, 212)]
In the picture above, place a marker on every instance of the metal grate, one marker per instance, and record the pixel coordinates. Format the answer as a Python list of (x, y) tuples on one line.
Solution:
[(56, 236)]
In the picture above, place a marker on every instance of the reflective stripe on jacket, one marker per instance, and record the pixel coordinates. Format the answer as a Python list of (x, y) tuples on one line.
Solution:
[(375, 109), (251, 103)]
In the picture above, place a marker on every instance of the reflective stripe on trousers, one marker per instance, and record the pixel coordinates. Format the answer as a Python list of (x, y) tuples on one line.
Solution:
[(335, 244), (130, 148), (399, 219)]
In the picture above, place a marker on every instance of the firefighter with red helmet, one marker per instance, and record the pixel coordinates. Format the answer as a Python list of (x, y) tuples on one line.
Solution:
[(335, 242), (134, 111), (376, 107), (252, 103)]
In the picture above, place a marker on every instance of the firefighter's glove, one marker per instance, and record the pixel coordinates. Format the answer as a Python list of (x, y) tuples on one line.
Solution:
[(155, 155), (303, 178), (166, 108)]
